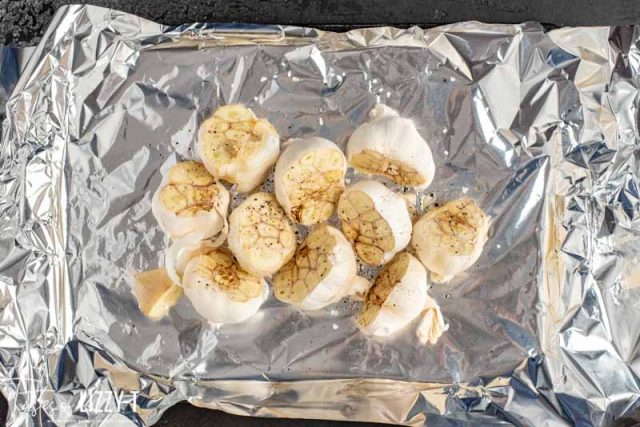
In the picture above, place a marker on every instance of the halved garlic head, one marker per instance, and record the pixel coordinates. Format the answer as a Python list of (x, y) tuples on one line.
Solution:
[(260, 235), (238, 147), (181, 251), (397, 297), (390, 145), (322, 272), (450, 238), (309, 178), (156, 293), (190, 201), (220, 290), (376, 220)]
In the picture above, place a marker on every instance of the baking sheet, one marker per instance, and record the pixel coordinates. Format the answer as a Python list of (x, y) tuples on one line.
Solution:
[(539, 127)]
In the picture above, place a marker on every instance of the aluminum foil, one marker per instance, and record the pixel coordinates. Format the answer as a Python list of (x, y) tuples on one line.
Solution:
[(540, 127)]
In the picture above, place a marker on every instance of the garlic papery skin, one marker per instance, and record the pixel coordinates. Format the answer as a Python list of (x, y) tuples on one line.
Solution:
[(389, 145), (220, 290), (322, 272), (309, 178), (190, 202), (449, 239), (375, 219), (238, 147)]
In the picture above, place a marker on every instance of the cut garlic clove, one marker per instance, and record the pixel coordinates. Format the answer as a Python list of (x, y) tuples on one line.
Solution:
[(390, 146), (396, 298), (190, 202), (309, 178), (156, 293), (260, 235), (322, 272), (220, 290), (375, 219), (238, 147), (450, 238), (432, 324)]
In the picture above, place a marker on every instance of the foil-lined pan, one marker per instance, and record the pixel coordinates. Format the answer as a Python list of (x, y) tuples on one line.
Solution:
[(539, 127)]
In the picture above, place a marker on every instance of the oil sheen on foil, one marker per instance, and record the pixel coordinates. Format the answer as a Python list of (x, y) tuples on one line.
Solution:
[(541, 128)]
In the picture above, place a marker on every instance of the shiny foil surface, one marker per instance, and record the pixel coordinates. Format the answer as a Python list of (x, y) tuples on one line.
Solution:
[(541, 128)]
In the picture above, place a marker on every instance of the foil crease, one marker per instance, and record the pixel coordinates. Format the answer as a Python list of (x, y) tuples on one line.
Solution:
[(540, 127)]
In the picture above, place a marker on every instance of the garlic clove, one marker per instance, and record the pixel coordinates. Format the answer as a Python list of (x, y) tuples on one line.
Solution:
[(156, 293)]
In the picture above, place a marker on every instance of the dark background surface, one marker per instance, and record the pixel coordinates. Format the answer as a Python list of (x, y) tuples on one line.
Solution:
[(25, 20), (22, 22)]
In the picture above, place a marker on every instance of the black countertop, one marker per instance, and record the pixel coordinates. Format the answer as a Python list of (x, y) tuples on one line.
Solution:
[(23, 22)]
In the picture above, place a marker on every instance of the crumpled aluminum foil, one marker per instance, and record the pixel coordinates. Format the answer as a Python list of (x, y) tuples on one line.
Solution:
[(540, 127)]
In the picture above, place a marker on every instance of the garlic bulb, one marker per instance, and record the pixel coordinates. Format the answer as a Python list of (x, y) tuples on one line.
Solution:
[(309, 178), (390, 145), (238, 147), (397, 297), (375, 219), (190, 202), (260, 235), (220, 290), (183, 250), (450, 238), (156, 293), (322, 272)]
